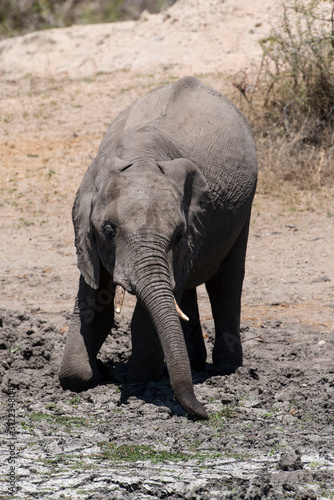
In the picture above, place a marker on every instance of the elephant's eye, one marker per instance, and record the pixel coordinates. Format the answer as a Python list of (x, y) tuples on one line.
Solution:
[(178, 236), (109, 231)]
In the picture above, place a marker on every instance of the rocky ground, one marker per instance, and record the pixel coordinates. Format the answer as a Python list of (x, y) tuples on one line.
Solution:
[(270, 433)]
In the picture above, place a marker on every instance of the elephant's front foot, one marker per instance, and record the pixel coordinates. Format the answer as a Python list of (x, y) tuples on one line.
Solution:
[(224, 367), (227, 356), (80, 378)]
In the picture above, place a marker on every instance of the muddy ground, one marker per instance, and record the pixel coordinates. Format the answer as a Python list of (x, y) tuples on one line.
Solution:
[(270, 433)]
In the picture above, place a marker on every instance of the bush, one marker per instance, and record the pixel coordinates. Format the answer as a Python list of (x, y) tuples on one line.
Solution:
[(298, 63), (22, 16), (292, 102)]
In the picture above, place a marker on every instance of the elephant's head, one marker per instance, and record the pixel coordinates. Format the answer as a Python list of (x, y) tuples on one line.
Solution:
[(145, 225)]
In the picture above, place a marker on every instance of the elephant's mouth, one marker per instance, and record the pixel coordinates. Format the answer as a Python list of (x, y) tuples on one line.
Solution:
[(119, 299)]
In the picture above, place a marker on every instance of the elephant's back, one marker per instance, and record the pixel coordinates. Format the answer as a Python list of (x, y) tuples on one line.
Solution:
[(201, 124), (186, 107), (206, 127), (205, 123)]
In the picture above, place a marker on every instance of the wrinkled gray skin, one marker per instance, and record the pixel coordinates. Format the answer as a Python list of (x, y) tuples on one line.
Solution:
[(164, 207)]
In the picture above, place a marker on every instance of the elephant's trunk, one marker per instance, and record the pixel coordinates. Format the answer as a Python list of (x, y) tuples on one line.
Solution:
[(153, 289), (160, 306)]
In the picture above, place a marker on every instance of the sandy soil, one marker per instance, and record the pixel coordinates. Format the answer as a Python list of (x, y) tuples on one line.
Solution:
[(271, 429), (193, 36)]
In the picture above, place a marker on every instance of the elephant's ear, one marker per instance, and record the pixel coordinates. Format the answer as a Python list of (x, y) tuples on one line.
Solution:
[(196, 198), (96, 176), (88, 259)]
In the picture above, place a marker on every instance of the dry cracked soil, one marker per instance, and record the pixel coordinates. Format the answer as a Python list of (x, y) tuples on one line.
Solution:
[(270, 432)]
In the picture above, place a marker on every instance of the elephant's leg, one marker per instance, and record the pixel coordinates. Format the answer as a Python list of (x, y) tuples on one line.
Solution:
[(224, 291), (91, 322), (147, 355), (192, 330)]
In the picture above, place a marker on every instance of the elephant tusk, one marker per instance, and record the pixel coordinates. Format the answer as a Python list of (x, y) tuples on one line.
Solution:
[(180, 312), (119, 298)]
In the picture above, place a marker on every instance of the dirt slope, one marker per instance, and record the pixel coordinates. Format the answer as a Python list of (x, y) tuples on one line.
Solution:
[(270, 433), (193, 36)]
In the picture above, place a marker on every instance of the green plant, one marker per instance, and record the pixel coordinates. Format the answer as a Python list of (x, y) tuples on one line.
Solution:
[(29, 429), (75, 401), (24, 222), (50, 406), (50, 173), (132, 453), (226, 413), (30, 15), (267, 415), (63, 420), (14, 348), (20, 16)]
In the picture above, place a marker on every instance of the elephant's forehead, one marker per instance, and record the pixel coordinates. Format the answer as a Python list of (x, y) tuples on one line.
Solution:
[(141, 203), (129, 190), (146, 209)]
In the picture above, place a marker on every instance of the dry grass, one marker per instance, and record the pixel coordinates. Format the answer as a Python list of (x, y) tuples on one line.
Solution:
[(289, 162), (290, 101), (291, 158)]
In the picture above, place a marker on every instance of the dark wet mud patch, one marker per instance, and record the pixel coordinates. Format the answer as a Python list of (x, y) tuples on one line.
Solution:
[(270, 433)]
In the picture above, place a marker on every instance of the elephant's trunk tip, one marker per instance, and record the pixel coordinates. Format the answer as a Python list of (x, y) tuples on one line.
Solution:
[(201, 414), (119, 298), (194, 409)]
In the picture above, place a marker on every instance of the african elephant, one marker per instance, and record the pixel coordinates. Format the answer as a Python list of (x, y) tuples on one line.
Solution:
[(164, 207)]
